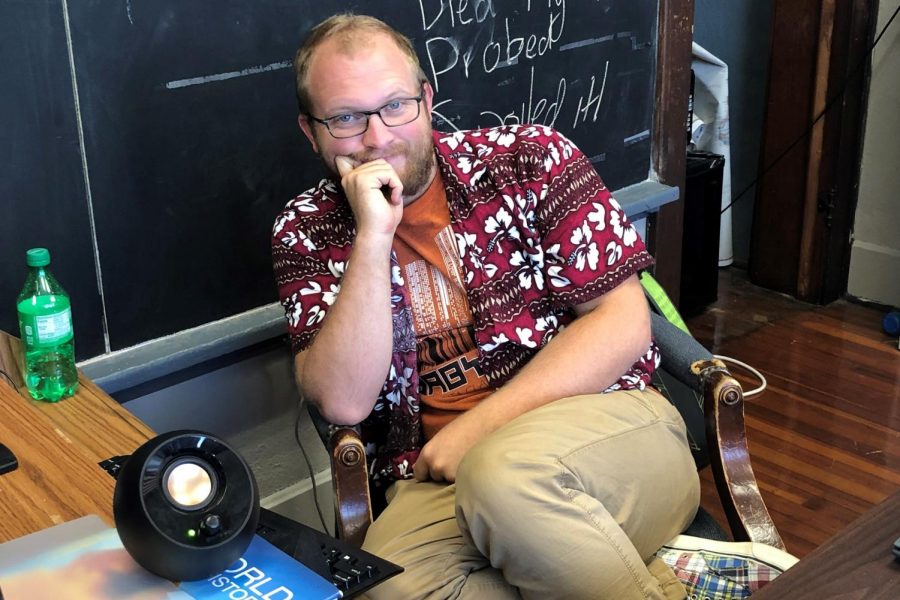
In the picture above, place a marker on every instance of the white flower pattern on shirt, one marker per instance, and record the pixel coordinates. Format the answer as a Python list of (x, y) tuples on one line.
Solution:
[(585, 253)]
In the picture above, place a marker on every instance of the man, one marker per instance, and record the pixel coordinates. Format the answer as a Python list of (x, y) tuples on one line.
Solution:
[(472, 300)]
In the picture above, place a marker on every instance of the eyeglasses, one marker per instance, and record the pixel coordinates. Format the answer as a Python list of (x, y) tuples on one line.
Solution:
[(395, 113)]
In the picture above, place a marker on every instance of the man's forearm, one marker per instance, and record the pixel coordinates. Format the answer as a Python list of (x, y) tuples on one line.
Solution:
[(586, 357), (345, 368)]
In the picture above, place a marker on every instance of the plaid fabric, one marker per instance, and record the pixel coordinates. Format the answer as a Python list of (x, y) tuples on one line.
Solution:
[(717, 576)]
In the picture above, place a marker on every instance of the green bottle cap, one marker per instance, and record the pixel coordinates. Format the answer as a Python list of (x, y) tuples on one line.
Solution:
[(37, 257)]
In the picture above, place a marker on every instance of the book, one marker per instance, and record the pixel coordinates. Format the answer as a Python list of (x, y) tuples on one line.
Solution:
[(85, 559), (266, 573)]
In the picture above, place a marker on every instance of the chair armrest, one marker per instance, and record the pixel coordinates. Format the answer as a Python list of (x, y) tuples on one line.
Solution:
[(350, 482), (349, 478), (723, 401)]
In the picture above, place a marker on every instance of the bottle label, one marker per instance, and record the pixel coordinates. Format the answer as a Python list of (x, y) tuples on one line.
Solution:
[(40, 331)]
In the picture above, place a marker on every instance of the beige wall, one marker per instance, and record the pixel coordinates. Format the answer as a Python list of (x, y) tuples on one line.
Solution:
[(875, 254)]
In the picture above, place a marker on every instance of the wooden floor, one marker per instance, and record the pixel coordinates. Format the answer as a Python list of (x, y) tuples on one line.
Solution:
[(824, 436)]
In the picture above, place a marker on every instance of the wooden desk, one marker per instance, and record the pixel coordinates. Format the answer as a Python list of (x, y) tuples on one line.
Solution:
[(856, 563), (58, 446)]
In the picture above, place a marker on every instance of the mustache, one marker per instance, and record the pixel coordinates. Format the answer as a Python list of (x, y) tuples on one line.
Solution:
[(369, 156)]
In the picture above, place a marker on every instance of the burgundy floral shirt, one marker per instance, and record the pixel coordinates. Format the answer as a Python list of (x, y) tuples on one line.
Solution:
[(537, 233)]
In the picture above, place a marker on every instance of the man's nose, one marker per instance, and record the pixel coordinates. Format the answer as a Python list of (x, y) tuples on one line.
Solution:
[(377, 134)]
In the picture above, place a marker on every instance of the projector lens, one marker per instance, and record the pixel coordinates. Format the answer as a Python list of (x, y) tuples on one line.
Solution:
[(189, 484)]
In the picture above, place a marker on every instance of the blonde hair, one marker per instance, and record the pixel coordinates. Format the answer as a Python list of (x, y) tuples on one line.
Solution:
[(344, 26)]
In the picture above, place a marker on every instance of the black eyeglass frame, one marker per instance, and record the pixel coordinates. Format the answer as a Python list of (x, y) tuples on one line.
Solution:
[(368, 114)]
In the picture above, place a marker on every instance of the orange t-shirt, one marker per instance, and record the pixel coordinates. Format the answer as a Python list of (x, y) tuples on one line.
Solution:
[(450, 379)]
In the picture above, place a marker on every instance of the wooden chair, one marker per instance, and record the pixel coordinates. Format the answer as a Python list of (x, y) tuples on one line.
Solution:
[(709, 399)]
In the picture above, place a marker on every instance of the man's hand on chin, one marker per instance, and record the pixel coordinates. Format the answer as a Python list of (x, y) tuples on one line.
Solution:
[(375, 194)]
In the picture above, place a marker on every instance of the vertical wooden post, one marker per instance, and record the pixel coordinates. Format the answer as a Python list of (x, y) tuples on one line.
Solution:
[(673, 81)]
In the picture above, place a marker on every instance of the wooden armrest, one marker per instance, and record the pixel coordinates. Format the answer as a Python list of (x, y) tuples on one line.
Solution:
[(350, 481), (723, 401)]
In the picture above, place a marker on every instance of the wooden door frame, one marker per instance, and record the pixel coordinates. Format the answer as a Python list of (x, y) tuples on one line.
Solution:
[(838, 179), (806, 199)]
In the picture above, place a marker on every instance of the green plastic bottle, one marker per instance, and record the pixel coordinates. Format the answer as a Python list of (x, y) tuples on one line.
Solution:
[(45, 323)]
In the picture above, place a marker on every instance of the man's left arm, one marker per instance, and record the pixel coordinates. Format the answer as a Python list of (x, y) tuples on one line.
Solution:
[(610, 334)]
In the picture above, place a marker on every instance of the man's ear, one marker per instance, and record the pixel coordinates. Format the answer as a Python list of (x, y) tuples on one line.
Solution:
[(306, 126), (428, 96)]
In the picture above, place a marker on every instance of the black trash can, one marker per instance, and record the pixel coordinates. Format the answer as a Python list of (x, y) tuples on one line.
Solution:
[(700, 242)]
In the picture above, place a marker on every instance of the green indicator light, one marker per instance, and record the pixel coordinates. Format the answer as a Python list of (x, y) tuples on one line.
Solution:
[(192, 533)]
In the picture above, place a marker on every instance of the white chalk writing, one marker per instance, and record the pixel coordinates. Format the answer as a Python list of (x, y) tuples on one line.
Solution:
[(591, 100), (518, 41), (475, 39), (539, 112)]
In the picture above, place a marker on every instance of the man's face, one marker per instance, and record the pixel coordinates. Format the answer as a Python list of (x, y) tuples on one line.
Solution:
[(375, 73)]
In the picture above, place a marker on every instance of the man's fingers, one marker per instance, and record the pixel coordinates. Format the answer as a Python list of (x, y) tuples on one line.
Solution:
[(424, 471), (377, 174), (343, 164), (393, 189), (420, 470), (385, 178)]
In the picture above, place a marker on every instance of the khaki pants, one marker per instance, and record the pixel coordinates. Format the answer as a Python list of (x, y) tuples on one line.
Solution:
[(570, 500)]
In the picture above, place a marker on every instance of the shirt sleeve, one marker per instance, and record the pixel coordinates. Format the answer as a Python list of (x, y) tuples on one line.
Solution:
[(588, 243), (309, 254)]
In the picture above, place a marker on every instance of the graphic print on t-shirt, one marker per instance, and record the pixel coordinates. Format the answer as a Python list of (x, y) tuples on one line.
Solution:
[(445, 340), (438, 302), (450, 379)]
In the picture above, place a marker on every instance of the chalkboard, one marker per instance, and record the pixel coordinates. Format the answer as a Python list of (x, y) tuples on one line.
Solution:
[(158, 208), (42, 191)]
